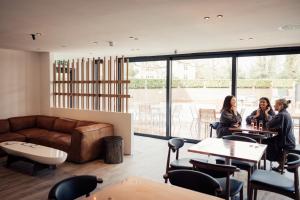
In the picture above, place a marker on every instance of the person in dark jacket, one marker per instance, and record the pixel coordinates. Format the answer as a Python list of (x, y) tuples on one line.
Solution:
[(283, 124), (229, 117), (264, 112)]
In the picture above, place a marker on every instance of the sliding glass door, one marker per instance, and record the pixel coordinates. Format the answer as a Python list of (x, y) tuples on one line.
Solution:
[(198, 90), (148, 97)]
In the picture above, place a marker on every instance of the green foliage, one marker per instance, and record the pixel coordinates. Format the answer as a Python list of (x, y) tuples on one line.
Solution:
[(221, 83)]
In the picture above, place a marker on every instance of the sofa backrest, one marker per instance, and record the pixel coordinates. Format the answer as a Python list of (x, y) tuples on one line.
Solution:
[(64, 125), (45, 122), (20, 123), (4, 126), (84, 123)]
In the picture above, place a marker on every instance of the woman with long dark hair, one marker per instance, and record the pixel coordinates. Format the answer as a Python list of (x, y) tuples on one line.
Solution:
[(229, 117), (264, 112), (283, 124)]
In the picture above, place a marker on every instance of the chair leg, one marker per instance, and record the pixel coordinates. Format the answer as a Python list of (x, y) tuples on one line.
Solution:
[(248, 181), (255, 194), (241, 194), (250, 193)]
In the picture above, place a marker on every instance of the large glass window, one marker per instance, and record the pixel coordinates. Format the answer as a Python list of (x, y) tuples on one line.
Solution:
[(148, 97), (269, 76), (198, 90)]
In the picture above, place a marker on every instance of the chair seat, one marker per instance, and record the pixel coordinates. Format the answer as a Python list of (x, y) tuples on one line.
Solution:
[(244, 165), (272, 180), (183, 163), (235, 186)]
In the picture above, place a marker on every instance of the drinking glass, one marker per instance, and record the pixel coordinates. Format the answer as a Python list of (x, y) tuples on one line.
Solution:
[(260, 125)]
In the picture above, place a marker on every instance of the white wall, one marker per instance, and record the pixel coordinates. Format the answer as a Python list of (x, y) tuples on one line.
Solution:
[(121, 122), (19, 83)]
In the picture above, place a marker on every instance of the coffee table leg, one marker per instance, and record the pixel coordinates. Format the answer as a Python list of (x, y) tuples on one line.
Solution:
[(11, 159)]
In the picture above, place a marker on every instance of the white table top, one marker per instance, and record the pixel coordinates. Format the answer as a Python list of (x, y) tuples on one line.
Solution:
[(137, 188), (231, 149), (39, 153)]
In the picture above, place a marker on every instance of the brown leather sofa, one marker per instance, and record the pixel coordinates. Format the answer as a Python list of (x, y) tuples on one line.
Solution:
[(82, 140)]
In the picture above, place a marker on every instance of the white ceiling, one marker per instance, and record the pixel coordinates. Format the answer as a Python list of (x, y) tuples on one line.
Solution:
[(69, 27)]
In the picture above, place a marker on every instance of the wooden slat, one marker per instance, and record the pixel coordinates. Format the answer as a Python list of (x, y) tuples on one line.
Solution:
[(122, 85), (82, 85), (127, 65), (58, 84), (109, 85), (63, 85), (101, 95), (95, 81), (104, 85), (68, 85), (72, 84), (87, 84), (77, 79), (99, 85), (54, 84), (93, 84)]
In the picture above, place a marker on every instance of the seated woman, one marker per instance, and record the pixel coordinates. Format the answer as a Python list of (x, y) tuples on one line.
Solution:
[(229, 117), (263, 113), (283, 124)]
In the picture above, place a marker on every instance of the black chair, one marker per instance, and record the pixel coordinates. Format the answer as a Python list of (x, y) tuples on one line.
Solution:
[(229, 187), (243, 165), (183, 163), (194, 180), (214, 126), (74, 187), (275, 182)]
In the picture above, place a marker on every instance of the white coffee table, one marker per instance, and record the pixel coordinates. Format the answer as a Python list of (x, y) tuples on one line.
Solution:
[(41, 156)]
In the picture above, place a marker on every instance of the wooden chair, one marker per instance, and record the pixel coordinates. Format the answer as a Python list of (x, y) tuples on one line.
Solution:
[(206, 116), (229, 187), (74, 187), (174, 145), (275, 182), (194, 180)]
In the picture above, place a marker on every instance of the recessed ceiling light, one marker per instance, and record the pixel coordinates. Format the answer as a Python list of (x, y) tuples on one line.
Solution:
[(219, 16), (250, 38), (206, 18), (241, 39), (131, 37), (111, 43), (290, 27), (96, 42), (136, 38)]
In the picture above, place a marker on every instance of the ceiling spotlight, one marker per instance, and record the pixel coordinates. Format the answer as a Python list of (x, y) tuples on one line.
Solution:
[(219, 16), (111, 43), (206, 18), (35, 35), (136, 38), (250, 38), (96, 42), (131, 37), (241, 39)]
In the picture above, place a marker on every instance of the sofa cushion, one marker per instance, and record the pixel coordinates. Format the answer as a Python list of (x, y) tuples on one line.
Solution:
[(20, 123), (55, 140), (4, 126), (45, 122), (11, 137), (84, 123), (34, 133), (64, 125)]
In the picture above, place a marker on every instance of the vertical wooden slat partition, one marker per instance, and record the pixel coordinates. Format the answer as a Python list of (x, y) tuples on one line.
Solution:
[(92, 84)]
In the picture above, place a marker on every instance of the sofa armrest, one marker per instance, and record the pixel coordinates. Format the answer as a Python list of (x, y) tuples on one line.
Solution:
[(87, 142)]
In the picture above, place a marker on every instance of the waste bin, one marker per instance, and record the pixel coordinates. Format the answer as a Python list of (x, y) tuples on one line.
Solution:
[(113, 149)]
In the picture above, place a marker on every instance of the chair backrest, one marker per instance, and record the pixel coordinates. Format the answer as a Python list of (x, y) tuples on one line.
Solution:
[(73, 187), (239, 138), (292, 162), (207, 115), (214, 170), (194, 180), (213, 125), (175, 143)]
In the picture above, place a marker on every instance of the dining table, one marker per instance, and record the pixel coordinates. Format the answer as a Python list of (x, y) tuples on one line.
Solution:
[(253, 132), (230, 149), (138, 188)]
